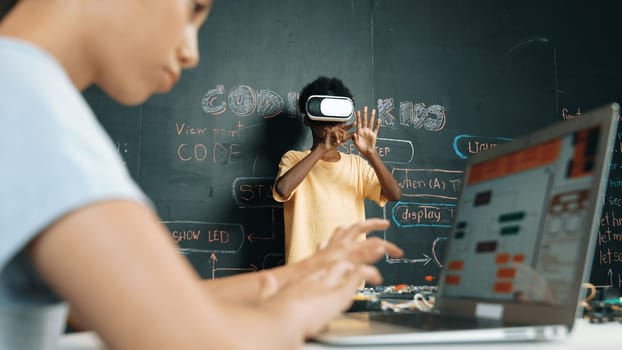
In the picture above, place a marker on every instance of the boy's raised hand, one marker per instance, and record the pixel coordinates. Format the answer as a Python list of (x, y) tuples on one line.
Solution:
[(336, 135), (366, 132)]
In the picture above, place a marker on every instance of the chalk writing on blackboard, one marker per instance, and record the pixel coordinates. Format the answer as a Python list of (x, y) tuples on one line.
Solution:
[(607, 256), (121, 146), (189, 130), (424, 258), (414, 115), (206, 237), (428, 208), (218, 271), (242, 100), (431, 183), (270, 236), (245, 101), (123, 149), (200, 144), (437, 241), (389, 150), (566, 114), (414, 214), (468, 145), (254, 192), (609, 247), (216, 153)]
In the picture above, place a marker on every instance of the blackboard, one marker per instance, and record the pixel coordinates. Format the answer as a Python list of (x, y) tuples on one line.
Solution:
[(448, 78)]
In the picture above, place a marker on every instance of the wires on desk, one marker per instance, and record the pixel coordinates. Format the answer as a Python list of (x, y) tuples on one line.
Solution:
[(395, 298), (418, 302)]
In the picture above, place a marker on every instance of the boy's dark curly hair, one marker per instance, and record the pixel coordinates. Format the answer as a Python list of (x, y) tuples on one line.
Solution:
[(322, 86)]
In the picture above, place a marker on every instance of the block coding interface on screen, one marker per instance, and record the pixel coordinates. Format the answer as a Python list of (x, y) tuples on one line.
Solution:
[(521, 221)]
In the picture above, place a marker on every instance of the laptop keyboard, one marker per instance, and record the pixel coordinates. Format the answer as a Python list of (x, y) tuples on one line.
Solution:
[(432, 321)]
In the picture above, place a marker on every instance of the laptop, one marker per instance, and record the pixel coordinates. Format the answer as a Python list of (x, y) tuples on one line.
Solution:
[(521, 244)]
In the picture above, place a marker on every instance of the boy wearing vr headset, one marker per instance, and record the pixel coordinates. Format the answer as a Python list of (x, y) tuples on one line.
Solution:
[(322, 188)]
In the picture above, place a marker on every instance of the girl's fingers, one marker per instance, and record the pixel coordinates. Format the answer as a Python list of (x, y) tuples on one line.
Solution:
[(269, 286), (371, 275), (336, 272)]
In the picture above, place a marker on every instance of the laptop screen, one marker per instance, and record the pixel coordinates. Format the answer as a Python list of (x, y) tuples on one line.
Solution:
[(520, 231)]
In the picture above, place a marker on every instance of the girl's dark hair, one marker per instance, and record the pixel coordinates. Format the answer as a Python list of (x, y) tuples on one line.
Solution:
[(6, 6), (322, 86)]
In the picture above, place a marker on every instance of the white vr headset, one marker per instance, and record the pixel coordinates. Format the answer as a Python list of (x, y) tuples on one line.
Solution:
[(329, 108)]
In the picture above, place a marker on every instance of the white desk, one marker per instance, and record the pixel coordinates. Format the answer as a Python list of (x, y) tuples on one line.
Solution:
[(584, 336)]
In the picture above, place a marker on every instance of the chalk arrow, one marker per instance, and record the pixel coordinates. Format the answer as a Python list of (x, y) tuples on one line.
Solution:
[(424, 260), (252, 237)]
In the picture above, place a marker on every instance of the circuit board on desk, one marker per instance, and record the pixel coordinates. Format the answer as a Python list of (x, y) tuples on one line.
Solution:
[(405, 292), (394, 298)]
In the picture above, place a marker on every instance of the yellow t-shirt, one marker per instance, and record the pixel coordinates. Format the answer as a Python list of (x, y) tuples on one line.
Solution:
[(332, 194)]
